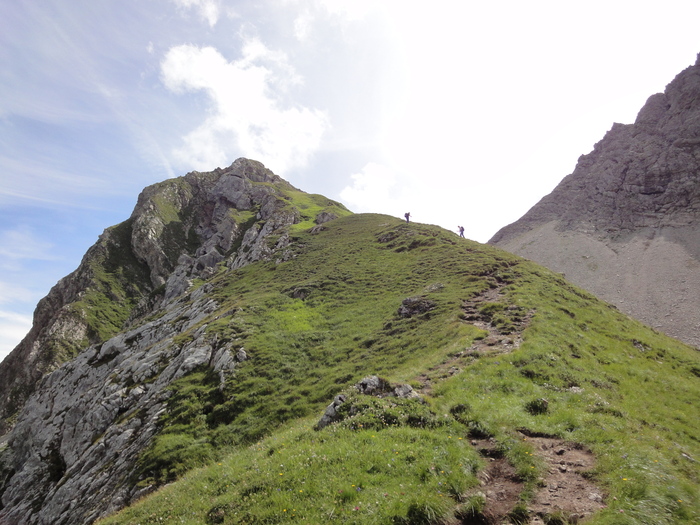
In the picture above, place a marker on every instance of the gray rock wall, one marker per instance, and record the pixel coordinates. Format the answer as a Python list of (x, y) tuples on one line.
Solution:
[(74, 448), (180, 229), (626, 223)]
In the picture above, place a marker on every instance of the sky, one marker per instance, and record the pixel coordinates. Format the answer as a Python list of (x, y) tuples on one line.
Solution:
[(461, 113)]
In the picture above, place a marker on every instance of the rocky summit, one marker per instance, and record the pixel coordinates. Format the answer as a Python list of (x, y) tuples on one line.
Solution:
[(239, 351), (178, 233), (626, 223)]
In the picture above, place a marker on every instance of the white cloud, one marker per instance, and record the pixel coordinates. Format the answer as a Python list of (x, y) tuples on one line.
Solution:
[(209, 10), (343, 12), (373, 189), (350, 9), (247, 114), (302, 25)]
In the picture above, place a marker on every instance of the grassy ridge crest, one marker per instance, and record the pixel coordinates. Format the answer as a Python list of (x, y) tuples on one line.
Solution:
[(318, 323)]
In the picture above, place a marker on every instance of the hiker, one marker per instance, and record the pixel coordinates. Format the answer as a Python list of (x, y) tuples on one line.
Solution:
[(407, 215), (461, 231)]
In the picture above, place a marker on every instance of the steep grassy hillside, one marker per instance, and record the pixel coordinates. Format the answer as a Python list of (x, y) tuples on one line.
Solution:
[(511, 361)]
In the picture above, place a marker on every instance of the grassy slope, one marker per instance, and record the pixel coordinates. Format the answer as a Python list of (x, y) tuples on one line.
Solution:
[(319, 323)]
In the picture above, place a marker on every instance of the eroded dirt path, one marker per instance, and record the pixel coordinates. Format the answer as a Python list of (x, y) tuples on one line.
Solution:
[(500, 484), (564, 491), (496, 340)]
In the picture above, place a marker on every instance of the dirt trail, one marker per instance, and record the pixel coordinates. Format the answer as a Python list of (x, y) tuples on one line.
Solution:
[(566, 489), (565, 493), (496, 341), (500, 485)]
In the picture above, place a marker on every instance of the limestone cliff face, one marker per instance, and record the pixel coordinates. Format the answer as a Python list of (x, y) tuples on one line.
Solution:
[(626, 223), (61, 326), (73, 451), (85, 388)]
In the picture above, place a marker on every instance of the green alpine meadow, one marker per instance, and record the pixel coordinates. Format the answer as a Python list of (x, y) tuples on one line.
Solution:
[(239, 351), (503, 394)]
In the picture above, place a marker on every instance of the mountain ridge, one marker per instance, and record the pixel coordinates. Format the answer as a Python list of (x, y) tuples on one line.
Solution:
[(254, 333), (178, 231), (625, 223)]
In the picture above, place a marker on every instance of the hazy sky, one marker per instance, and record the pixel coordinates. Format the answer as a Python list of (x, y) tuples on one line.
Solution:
[(461, 112)]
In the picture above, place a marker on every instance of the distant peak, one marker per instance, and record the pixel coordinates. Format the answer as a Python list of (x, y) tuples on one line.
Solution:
[(252, 170)]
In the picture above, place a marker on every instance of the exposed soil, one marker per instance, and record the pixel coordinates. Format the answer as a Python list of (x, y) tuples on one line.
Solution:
[(500, 484), (495, 343), (498, 341), (564, 492)]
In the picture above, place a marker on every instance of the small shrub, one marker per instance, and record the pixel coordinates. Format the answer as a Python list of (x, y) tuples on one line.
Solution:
[(217, 514), (475, 428), (420, 513), (456, 487), (460, 409), (519, 515), (360, 412), (489, 309), (472, 511), (347, 496), (478, 430), (556, 518), (537, 406)]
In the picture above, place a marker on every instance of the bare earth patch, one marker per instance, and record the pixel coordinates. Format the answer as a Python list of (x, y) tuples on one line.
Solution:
[(565, 493), (500, 484), (566, 490), (495, 343)]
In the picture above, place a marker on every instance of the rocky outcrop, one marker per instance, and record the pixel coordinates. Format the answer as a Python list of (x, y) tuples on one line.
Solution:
[(117, 324), (62, 325), (180, 229), (74, 448), (626, 223), (415, 306), (369, 386)]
